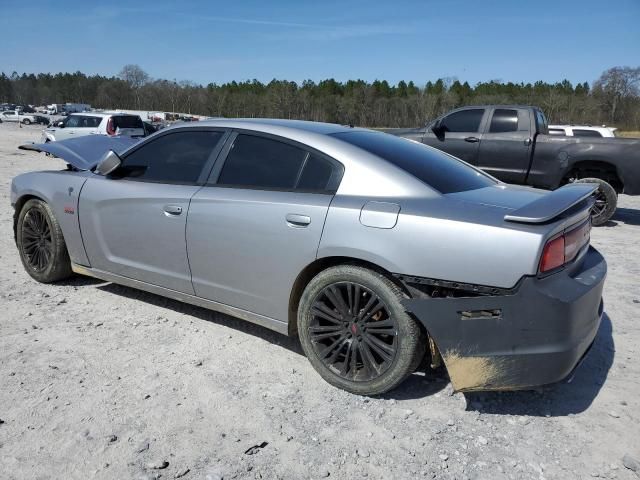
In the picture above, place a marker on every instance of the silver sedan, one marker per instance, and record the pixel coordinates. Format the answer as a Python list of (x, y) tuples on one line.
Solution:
[(379, 253)]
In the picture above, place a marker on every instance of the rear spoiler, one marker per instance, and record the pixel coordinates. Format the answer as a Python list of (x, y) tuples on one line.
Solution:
[(554, 203), (83, 153)]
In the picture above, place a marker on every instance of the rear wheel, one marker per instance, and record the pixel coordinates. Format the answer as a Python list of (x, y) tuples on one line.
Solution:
[(606, 201), (40, 242), (356, 333), (26, 121)]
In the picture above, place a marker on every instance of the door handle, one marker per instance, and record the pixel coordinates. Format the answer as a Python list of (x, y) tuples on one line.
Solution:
[(527, 142), (295, 220), (172, 210), (472, 139)]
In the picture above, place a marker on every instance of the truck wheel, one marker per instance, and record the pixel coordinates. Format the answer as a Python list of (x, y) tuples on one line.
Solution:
[(356, 333), (606, 201), (26, 121), (40, 242)]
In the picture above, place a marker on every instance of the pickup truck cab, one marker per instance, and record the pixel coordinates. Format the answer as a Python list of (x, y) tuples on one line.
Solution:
[(512, 143)]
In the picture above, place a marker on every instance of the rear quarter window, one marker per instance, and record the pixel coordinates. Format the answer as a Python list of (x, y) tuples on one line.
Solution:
[(577, 132), (442, 172)]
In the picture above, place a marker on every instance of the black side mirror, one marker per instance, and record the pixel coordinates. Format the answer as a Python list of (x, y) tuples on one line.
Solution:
[(437, 128)]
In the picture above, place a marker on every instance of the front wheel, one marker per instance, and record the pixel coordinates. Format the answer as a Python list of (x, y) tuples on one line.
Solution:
[(606, 201), (40, 243), (356, 333)]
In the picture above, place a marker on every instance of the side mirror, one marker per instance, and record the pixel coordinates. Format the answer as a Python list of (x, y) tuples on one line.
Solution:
[(436, 127), (60, 124), (109, 163)]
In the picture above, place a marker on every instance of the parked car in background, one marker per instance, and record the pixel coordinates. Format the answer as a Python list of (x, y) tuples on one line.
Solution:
[(378, 252), (512, 143), (16, 116), (79, 124), (582, 131)]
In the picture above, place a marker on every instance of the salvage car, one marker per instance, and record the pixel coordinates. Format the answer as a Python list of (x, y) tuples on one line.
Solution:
[(512, 143), (379, 253)]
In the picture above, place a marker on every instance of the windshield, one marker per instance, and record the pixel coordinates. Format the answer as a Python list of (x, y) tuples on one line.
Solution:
[(441, 171)]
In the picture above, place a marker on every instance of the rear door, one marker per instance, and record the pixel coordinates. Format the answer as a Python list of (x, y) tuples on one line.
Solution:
[(258, 222), (133, 222), (506, 144), (460, 134)]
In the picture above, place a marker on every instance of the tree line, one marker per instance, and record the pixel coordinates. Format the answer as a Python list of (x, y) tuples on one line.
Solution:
[(613, 99)]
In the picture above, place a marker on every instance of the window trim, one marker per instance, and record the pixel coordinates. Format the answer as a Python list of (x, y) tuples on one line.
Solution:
[(204, 172), (214, 176)]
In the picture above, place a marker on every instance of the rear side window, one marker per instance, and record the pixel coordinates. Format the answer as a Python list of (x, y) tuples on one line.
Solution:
[(127, 121), (463, 121), (444, 173), (173, 158), (504, 120), (577, 132), (265, 163)]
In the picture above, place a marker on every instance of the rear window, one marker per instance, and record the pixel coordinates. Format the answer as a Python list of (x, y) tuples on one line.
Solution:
[(444, 173), (577, 132), (127, 121)]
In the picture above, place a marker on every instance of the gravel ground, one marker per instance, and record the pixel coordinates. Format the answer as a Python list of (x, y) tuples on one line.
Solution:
[(103, 381)]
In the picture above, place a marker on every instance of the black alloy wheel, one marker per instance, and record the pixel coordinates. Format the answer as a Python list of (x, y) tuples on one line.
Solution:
[(352, 332), (37, 242)]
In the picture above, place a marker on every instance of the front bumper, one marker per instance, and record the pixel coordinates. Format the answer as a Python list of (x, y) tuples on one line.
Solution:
[(534, 336)]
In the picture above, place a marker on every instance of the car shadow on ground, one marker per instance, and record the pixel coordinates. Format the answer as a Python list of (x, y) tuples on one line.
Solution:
[(557, 400), (244, 326), (568, 397), (628, 216)]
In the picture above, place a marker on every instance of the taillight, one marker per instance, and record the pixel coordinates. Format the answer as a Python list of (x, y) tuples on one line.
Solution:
[(110, 127), (552, 255), (564, 248)]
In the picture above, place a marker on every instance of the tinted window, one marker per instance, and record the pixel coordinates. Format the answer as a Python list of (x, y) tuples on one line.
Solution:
[(262, 163), (319, 174), (73, 121), (463, 121), (127, 121), (504, 121), (174, 158), (444, 173), (88, 122), (557, 131), (586, 133)]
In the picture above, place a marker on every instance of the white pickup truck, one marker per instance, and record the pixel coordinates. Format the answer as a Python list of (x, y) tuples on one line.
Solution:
[(13, 116)]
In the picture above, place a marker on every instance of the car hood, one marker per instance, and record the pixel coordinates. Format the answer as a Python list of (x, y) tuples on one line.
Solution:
[(83, 153)]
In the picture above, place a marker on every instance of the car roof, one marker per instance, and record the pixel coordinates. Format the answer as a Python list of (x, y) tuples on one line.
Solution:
[(272, 124)]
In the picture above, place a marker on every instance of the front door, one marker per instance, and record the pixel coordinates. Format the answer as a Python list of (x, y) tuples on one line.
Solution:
[(133, 222), (258, 224), (460, 134)]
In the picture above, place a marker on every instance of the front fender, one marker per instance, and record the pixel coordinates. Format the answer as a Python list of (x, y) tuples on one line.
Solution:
[(61, 190)]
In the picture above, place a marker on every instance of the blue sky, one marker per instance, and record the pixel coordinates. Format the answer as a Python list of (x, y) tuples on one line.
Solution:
[(220, 41)]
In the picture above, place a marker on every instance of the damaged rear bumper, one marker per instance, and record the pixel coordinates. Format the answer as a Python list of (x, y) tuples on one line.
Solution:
[(533, 336)]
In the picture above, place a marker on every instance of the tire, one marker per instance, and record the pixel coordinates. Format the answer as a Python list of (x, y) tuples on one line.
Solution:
[(26, 121), (357, 362), (606, 201), (40, 243)]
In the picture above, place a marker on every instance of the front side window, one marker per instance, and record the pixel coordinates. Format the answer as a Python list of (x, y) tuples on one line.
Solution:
[(503, 121), (88, 122), (73, 121), (442, 172), (577, 132), (173, 158), (463, 121), (265, 163)]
